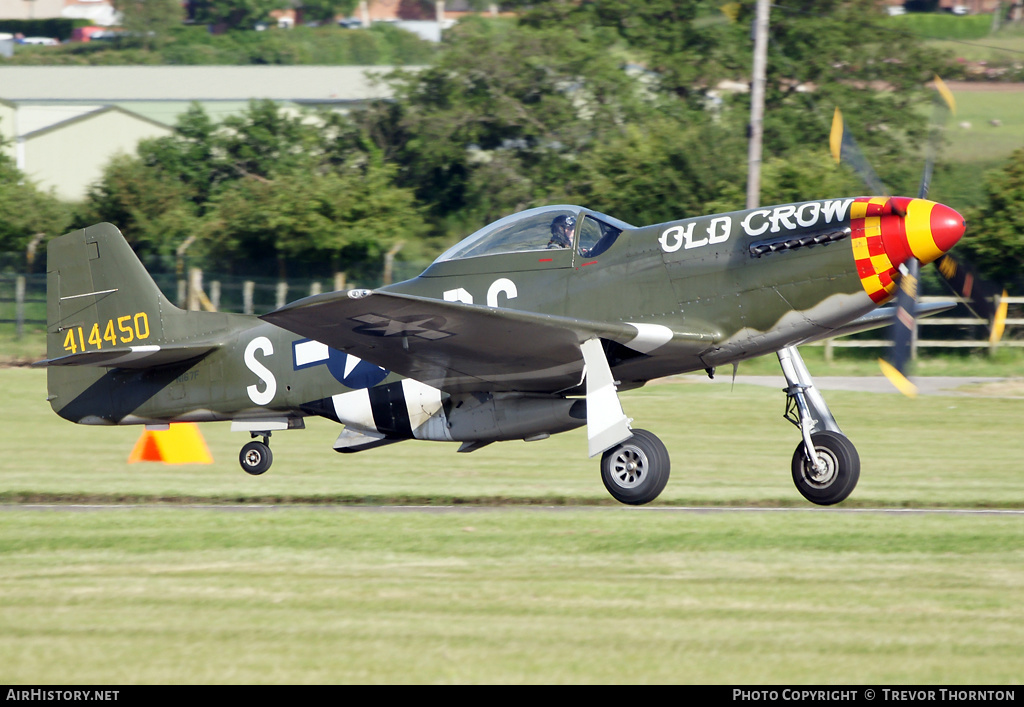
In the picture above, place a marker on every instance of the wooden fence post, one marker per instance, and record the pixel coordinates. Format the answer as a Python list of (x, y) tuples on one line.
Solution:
[(19, 305), (248, 290)]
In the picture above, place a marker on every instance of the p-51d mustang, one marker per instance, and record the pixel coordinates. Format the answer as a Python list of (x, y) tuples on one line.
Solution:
[(526, 328)]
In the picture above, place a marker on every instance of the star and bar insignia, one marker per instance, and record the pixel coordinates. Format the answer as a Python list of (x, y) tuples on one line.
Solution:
[(423, 327)]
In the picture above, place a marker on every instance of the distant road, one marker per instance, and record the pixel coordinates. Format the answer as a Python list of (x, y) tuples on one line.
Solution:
[(929, 385), (984, 86)]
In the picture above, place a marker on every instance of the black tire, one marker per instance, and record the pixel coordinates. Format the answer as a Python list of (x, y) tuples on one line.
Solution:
[(636, 471), (255, 458), (842, 469)]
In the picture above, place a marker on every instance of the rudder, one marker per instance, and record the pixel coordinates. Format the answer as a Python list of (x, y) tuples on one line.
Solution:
[(99, 296), (113, 340)]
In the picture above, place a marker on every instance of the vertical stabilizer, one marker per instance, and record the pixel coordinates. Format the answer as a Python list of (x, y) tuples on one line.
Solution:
[(99, 296), (113, 341)]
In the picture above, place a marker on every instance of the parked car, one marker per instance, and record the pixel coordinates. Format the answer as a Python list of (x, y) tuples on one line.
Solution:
[(44, 41)]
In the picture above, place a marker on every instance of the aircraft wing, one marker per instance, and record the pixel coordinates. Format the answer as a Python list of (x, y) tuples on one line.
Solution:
[(460, 347), (883, 316)]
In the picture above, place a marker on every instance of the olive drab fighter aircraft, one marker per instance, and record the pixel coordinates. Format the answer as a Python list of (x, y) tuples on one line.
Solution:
[(529, 327)]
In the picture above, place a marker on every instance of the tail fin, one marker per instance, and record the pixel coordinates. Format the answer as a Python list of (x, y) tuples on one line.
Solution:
[(104, 315), (103, 308)]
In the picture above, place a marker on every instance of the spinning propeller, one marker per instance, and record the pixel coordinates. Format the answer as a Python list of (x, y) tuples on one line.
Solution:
[(921, 232)]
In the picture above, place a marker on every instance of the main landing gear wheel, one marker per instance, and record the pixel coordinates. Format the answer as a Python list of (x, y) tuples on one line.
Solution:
[(636, 471), (838, 474), (255, 458)]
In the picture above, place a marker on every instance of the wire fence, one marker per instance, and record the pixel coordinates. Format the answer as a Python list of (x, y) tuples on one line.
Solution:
[(23, 308), (23, 297)]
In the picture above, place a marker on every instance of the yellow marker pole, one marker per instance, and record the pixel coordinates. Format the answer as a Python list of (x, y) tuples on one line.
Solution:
[(999, 321)]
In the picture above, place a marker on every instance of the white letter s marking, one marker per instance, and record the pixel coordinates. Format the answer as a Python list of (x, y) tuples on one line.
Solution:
[(263, 344)]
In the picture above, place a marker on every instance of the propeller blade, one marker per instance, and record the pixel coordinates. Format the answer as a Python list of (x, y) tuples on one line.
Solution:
[(845, 150), (981, 296), (942, 226), (945, 105), (984, 298), (903, 327)]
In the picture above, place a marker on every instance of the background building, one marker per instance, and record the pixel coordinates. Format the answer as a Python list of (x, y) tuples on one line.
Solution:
[(63, 123)]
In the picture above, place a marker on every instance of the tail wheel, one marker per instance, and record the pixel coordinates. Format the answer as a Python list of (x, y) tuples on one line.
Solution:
[(636, 471), (255, 458), (835, 477)]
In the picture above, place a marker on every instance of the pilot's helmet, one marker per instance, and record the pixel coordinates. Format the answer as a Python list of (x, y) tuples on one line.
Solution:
[(562, 225)]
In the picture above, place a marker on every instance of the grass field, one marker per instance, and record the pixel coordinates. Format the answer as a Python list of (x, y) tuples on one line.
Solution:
[(728, 446), (987, 128), (280, 591), (508, 596)]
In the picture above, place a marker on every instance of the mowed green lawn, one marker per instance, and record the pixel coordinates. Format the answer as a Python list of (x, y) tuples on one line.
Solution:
[(987, 128), (601, 595), (728, 446), (295, 593), (988, 125)]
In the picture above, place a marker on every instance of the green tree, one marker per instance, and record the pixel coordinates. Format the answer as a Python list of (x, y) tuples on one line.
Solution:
[(149, 21), (327, 10), (152, 208), (822, 54), (502, 116), (266, 140), (995, 232), (660, 169), (26, 213), (338, 220), (238, 14), (663, 35), (617, 104), (269, 189)]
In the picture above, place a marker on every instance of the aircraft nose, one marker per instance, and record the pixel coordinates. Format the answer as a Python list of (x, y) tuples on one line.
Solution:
[(925, 231), (947, 227), (929, 230), (888, 232)]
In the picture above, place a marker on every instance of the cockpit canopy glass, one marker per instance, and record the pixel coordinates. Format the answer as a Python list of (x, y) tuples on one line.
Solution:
[(596, 237), (525, 231), (547, 227)]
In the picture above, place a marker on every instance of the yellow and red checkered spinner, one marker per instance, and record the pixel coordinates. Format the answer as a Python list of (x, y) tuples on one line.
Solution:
[(888, 231)]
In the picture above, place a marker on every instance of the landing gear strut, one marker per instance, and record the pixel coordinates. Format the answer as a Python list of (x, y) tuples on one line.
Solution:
[(826, 466), (256, 457)]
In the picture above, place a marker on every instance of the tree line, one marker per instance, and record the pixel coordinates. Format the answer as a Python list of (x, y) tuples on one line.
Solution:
[(617, 105)]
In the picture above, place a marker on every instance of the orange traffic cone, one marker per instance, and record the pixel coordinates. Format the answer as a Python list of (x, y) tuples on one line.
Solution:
[(181, 443)]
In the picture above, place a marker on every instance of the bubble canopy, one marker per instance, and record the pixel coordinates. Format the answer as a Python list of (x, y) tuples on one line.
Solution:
[(531, 230)]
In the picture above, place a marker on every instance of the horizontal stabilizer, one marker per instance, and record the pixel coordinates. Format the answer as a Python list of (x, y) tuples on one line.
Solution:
[(131, 356)]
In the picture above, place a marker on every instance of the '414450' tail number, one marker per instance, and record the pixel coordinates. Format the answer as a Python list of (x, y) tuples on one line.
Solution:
[(123, 330)]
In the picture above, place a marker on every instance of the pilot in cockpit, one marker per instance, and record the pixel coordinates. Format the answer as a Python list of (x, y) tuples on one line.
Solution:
[(562, 228)]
